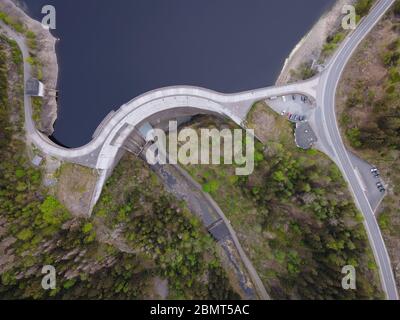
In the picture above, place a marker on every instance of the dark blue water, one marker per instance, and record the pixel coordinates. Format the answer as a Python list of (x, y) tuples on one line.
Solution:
[(112, 51)]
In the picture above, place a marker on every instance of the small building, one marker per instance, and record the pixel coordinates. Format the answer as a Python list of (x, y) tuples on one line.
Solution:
[(37, 160), (304, 135), (34, 88)]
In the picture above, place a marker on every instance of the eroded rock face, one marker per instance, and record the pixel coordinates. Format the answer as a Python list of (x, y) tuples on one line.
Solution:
[(46, 54)]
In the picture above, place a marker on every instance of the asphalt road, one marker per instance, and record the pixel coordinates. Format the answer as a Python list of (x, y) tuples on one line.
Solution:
[(329, 84)]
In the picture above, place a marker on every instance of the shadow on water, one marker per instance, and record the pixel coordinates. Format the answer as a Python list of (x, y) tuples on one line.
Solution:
[(54, 139)]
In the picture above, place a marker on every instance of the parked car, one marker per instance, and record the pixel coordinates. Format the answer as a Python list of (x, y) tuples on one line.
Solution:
[(295, 117), (380, 187), (375, 172)]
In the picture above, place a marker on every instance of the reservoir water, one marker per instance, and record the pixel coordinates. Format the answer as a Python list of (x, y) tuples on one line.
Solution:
[(111, 51)]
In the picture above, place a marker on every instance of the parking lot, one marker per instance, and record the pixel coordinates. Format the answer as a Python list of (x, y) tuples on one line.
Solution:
[(295, 104), (368, 180), (306, 138)]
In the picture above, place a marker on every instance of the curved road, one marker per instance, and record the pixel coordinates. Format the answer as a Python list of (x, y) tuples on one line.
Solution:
[(327, 92)]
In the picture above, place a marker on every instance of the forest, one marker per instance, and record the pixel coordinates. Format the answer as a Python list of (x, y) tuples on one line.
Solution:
[(161, 243), (294, 216)]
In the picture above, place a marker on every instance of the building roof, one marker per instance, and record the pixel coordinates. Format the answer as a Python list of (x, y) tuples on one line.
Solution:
[(304, 135), (37, 160), (33, 87)]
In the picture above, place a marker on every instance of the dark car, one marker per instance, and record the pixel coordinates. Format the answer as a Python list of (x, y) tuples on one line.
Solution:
[(380, 187), (375, 172)]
